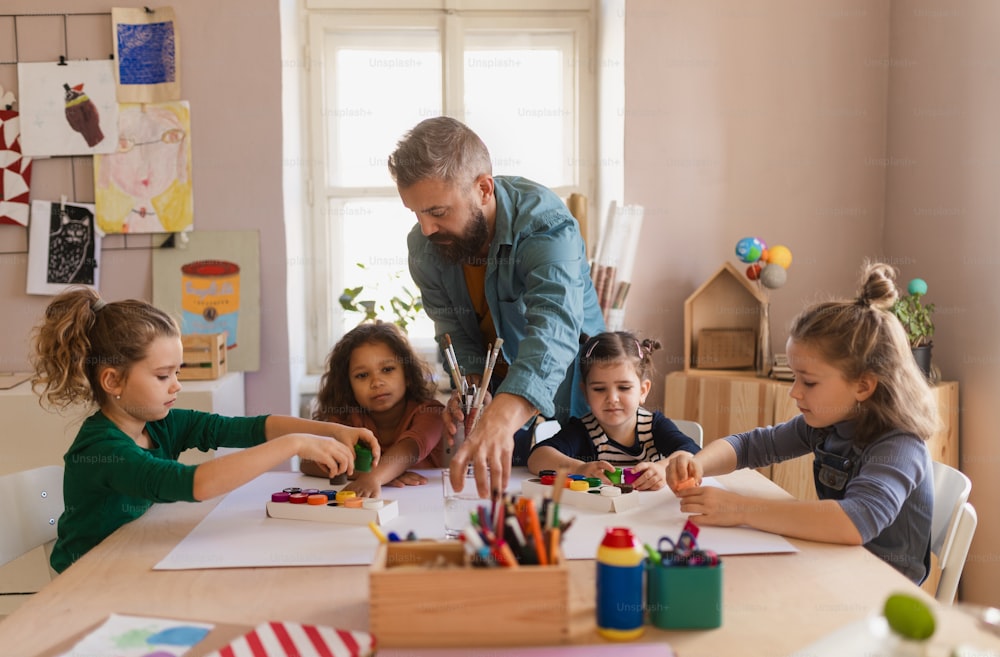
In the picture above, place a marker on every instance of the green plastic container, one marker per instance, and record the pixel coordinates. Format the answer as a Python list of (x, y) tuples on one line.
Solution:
[(684, 597)]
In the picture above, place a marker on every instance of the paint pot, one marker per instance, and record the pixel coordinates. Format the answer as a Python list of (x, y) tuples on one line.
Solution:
[(210, 298)]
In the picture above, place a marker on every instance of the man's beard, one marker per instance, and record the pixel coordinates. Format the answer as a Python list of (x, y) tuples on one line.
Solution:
[(467, 246)]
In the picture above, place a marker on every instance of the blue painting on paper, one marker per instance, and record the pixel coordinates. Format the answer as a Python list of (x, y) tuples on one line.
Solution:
[(146, 53)]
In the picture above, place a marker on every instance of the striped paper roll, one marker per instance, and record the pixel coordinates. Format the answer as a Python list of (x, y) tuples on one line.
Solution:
[(279, 639)]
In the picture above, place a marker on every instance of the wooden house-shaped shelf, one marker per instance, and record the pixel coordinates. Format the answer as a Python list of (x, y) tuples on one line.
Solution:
[(722, 322)]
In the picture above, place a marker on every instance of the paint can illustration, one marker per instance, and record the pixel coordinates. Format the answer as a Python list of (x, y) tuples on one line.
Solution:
[(210, 298)]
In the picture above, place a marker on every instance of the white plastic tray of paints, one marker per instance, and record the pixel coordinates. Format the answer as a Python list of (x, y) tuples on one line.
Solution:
[(585, 499), (379, 514)]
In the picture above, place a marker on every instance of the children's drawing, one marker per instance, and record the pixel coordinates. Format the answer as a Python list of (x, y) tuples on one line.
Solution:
[(147, 52), (145, 186), (69, 108), (64, 247), (213, 285), (210, 298), (82, 114), (138, 636), (15, 169)]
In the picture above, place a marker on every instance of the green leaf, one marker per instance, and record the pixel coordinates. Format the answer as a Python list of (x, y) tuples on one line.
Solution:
[(916, 318), (404, 308)]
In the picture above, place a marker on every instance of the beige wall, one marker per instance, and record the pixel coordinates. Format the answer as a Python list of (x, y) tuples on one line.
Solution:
[(765, 119), (941, 214), (231, 73), (844, 130)]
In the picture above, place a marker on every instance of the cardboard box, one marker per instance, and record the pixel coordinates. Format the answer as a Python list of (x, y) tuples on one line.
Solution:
[(204, 357), (423, 594)]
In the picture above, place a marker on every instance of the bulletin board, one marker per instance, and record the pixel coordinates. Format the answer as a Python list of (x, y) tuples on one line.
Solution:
[(54, 37)]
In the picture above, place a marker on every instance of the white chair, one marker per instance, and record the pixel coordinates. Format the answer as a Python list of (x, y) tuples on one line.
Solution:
[(951, 493), (692, 430), (545, 430), (31, 502), (951, 570)]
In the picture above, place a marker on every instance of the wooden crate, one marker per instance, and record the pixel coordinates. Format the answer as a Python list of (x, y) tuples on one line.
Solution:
[(204, 357), (413, 603)]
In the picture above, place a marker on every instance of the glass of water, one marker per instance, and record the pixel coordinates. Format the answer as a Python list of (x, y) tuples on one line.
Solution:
[(459, 505)]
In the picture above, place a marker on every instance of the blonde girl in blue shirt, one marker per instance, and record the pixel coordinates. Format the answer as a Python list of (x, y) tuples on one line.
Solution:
[(865, 412)]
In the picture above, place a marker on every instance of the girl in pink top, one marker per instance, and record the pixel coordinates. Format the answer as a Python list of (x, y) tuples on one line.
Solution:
[(375, 380)]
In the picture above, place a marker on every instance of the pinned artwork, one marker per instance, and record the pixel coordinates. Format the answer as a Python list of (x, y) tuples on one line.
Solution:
[(211, 281), (64, 247), (15, 168), (139, 636), (72, 107), (145, 186), (147, 50)]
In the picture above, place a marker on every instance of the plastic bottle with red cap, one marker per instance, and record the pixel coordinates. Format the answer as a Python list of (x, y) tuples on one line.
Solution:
[(620, 574)]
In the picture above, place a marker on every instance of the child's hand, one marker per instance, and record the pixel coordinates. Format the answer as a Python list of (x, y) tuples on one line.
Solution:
[(683, 471), (351, 436), (331, 454), (713, 506), (365, 484), (595, 469), (653, 475), (408, 478)]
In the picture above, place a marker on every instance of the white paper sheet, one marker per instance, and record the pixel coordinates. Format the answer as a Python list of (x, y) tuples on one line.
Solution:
[(237, 533)]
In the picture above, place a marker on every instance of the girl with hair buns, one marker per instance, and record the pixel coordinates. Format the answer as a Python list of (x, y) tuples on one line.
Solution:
[(616, 370), (866, 411), (124, 358)]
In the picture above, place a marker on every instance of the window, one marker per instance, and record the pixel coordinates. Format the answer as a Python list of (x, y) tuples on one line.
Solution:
[(521, 81)]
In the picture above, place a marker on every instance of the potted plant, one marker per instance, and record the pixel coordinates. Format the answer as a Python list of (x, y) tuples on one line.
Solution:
[(917, 321), (405, 308)]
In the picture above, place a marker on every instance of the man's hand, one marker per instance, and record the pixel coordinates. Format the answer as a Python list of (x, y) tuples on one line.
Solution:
[(490, 446)]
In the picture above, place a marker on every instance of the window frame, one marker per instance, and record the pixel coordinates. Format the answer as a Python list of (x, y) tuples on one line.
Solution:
[(452, 18)]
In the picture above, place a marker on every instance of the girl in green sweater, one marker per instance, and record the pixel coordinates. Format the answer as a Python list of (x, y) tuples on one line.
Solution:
[(124, 358)]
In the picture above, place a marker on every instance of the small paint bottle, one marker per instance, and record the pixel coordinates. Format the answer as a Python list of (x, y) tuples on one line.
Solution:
[(620, 574)]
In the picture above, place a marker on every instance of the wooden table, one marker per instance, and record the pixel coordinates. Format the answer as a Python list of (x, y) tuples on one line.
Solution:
[(773, 604)]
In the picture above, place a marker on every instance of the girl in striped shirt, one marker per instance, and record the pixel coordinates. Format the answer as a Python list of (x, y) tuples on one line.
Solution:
[(616, 369)]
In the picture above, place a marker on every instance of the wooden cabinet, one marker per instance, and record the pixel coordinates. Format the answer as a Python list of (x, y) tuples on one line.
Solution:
[(725, 403)]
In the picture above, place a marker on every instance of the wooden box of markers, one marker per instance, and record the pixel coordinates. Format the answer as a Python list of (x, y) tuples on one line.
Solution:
[(425, 594)]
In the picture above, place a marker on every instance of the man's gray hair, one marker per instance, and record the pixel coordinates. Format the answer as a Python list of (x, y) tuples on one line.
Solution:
[(442, 148)]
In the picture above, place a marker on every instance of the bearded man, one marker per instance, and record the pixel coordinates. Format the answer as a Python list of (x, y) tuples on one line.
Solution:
[(496, 257)]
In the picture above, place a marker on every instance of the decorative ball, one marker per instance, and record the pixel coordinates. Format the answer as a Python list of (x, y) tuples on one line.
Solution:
[(773, 276), (753, 271), (780, 255), (765, 255), (747, 250), (917, 287)]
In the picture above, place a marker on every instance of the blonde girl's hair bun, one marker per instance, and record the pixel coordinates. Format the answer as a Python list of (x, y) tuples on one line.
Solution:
[(878, 286)]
